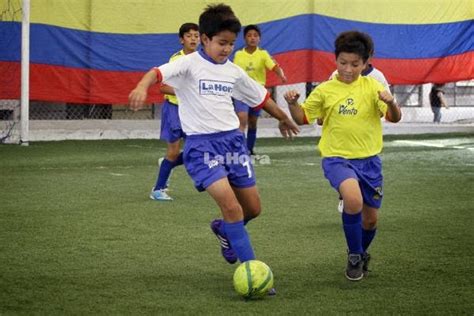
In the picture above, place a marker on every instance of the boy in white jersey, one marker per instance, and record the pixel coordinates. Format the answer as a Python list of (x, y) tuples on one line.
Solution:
[(215, 153), (351, 106), (171, 130), (255, 61)]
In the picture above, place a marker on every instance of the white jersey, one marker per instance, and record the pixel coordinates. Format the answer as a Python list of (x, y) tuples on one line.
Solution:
[(374, 73), (205, 90)]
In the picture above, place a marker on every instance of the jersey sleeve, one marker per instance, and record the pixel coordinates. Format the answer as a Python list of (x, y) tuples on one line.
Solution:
[(312, 106), (174, 72), (269, 62), (248, 90)]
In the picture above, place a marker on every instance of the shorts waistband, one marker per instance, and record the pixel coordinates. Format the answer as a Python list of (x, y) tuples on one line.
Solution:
[(213, 135)]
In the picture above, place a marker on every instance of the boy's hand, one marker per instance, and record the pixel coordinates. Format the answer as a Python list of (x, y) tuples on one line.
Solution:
[(386, 97), (288, 128), (137, 98), (292, 97)]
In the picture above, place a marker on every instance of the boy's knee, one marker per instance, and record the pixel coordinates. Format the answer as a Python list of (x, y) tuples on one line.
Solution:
[(353, 204), (369, 224), (252, 212), (232, 208)]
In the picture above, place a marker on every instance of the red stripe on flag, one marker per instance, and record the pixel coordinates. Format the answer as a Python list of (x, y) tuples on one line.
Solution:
[(317, 66), (62, 84)]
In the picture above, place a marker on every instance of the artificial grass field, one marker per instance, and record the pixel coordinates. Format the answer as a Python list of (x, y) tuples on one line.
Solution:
[(79, 235)]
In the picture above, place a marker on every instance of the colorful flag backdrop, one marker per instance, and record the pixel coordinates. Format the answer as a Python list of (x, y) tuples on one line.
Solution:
[(96, 51)]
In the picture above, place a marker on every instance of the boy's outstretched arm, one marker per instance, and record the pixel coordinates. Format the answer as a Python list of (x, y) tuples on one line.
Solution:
[(280, 73), (394, 114), (287, 127), (137, 97), (296, 111)]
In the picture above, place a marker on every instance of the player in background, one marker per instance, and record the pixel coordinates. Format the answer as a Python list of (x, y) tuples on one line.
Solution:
[(215, 153), (255, 61), (351, 107), (171, 130)]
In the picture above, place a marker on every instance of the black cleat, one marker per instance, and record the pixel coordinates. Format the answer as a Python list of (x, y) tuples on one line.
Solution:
[(354, 267)]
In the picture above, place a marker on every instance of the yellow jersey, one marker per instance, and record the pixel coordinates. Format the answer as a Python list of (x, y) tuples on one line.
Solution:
[(352, 114), (255, 64), (172, 98)]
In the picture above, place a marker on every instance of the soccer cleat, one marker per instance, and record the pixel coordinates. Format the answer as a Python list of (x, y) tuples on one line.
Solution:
[(160, 195), (340, 205), (227, 252), (365, 265), (354, 267)]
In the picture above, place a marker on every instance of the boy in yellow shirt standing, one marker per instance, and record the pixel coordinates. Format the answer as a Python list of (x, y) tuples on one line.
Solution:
[(255, 61)]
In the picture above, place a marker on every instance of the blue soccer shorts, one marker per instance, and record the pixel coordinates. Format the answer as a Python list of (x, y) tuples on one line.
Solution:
[(211, 157), (240, 106), (171, 130), (367, 171)]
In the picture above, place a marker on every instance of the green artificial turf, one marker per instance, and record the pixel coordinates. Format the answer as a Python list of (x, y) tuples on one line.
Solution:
[(79, 235)]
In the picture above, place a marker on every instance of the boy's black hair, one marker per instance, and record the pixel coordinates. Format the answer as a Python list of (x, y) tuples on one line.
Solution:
[(217, 18), (251, 27), (354, 42), (186, 27)]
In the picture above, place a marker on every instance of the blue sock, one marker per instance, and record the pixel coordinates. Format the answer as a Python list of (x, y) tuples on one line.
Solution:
[(352, 224), (251, 138), (164, 174), (239, 239), (179, 161), (367, 237)]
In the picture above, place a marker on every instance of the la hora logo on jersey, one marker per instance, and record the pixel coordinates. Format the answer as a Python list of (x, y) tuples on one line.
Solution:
[(213, 87)]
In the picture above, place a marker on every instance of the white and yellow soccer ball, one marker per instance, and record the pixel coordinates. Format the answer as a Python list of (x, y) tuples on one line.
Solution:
[(253, 279)]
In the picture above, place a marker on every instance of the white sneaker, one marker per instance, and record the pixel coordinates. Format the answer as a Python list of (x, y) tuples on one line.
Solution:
[(340, 206), (160, 195)]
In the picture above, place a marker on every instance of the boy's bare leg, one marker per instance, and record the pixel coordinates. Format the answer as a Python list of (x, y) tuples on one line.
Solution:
[(249, 199)]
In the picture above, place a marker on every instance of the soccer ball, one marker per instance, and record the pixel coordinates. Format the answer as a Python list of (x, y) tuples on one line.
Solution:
[(253, 279)]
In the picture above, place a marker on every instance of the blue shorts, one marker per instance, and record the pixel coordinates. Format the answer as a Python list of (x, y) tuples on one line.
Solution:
[(171, 130), (367, 171), (240, 106), (211, 157)]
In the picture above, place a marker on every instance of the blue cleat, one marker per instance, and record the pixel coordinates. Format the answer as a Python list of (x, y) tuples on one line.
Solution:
[(160, 195), (227, 252)]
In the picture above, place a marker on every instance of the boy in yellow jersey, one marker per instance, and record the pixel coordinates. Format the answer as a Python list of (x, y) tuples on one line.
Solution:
[(351, 106), (255, 61), (171, 130)]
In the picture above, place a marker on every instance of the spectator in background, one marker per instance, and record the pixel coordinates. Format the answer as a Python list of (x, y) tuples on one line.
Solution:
[(437, 101)]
